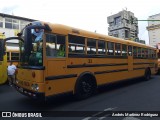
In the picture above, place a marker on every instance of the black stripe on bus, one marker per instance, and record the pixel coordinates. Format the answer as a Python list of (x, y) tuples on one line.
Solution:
[(95, 65), (60, 77), (74, 55), (110, 71), (12, 60), (144, 58), (141, 63), (139, 68), (95, 56), (33, 67)]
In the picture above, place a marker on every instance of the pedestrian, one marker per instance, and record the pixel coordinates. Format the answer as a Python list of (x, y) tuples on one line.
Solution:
[(11, 73)]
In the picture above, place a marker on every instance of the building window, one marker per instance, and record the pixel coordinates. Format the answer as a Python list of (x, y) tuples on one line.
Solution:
[(8, 23), (15, 24), (23, 24), (126, 34), (11, 23), (1, 22), (135, 34), (115, 35), (117, 20), (127, 21)]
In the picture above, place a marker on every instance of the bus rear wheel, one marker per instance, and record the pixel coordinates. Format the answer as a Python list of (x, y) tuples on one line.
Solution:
[(85, 88), (147, 75)]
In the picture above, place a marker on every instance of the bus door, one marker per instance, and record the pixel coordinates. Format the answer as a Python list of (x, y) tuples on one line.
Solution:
[(55, 56), (130, 58)]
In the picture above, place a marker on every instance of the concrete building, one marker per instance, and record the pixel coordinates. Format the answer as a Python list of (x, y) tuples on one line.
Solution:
[(123, 25), (154, 29), (11, 25)]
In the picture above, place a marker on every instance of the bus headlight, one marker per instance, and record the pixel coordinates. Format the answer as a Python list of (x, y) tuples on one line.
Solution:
[(35, 87)]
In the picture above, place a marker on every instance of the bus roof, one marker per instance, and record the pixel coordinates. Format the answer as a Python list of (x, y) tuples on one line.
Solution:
[(63, 29)]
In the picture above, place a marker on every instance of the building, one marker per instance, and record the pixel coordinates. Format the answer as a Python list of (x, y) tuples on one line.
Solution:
[(11, 25), (154, 29), (123, 25)]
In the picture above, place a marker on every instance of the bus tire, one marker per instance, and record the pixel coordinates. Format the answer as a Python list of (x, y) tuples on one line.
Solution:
[(85, 87), (147, 75)]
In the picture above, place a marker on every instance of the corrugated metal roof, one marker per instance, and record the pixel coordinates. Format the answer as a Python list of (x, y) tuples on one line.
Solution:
[(16, 17)]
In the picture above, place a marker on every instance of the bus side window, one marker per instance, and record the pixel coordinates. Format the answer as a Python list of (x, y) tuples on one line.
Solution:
[(50, 45), (8, 56), (139, 52), (158, 54), (117, 49), (91, 46), (61, 46), (101, 47), (134, 51), (55, 45), (110, 48), (149, 53), (143, 52), (129, 50), (153, 54), (76, 45), (14, 56), (146, 52), (124, 50)]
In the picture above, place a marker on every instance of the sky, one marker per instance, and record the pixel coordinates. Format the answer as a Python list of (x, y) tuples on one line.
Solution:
[(89, 15)]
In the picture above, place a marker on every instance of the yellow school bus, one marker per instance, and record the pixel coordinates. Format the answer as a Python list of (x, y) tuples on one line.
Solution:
[(57, 59), (3, 60)]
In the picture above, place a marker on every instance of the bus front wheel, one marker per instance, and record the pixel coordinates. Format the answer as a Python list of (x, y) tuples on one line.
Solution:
[(85, 88)]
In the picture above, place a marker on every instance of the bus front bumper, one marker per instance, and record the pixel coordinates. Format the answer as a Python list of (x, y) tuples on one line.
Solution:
[(29, 93)]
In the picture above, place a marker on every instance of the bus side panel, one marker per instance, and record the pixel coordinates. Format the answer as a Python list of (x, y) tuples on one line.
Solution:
[(54, 87), (146, 63), (58, 80), (112, 77)]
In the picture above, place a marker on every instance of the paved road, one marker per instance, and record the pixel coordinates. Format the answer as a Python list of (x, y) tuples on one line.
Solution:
[(135, 95)]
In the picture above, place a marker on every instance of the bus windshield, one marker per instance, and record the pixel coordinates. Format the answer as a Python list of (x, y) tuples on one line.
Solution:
[(31, 48)]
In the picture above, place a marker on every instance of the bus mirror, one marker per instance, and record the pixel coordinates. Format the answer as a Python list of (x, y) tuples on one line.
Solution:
[(2, 49), (19, 34)]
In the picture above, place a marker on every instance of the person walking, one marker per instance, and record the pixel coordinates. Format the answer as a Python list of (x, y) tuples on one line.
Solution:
[(11, 73)]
